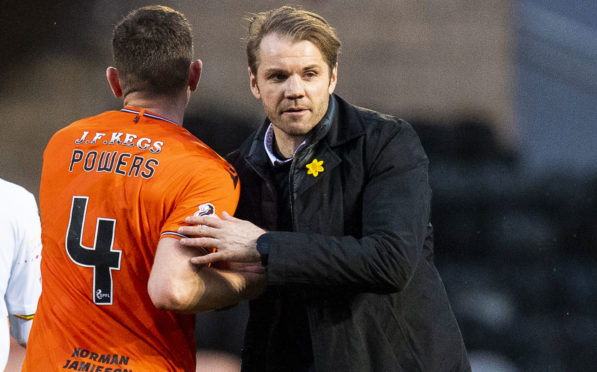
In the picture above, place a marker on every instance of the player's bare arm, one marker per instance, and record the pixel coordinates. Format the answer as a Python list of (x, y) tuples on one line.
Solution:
[(234, 239), (178, 285)]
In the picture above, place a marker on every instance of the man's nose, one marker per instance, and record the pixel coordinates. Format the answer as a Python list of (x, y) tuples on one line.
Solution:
[(295, 87)]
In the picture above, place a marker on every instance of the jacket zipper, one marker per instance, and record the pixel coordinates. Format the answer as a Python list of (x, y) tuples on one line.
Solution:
[(291, 193)]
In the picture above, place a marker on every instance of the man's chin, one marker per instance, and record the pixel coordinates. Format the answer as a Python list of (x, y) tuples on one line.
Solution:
[(298, 129)]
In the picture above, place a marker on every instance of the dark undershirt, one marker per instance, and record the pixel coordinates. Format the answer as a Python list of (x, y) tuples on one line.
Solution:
[(292, 339)]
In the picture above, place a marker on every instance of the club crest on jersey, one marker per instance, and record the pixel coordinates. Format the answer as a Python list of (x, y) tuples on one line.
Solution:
[(206, 209)]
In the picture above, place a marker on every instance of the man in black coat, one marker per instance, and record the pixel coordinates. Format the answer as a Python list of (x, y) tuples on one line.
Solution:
[(338, 201)]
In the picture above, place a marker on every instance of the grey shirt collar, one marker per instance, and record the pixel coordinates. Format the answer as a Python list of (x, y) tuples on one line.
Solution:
[(268, 143)]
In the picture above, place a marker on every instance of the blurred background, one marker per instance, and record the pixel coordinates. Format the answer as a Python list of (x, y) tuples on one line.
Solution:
[(503, 94)]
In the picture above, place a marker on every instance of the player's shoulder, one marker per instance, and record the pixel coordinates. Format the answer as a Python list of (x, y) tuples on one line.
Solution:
[(106, 116), (11, 189), (194, 149), (207, 160), (13, 194), (193, 154)]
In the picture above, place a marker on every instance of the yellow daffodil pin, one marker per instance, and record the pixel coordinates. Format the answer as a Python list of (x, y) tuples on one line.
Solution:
[(315, 167)]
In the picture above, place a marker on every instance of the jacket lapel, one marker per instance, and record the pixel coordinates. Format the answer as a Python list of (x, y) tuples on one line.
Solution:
[(314, 167)]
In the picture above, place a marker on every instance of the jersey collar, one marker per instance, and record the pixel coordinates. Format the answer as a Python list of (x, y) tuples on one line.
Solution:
[(146, 114)]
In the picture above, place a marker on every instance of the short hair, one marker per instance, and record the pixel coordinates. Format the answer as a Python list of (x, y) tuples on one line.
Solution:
[(298, 24), (152, 49)]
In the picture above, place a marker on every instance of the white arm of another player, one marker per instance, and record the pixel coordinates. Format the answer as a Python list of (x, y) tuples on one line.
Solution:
[(20, 328)]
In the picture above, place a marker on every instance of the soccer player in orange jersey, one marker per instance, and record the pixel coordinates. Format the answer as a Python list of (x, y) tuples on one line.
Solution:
[(118, 288)]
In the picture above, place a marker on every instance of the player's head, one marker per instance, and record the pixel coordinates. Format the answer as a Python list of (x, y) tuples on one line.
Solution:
[(298, 25), (152, 49)]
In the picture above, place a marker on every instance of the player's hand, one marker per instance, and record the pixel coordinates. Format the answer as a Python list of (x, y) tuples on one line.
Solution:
[(234, 239)]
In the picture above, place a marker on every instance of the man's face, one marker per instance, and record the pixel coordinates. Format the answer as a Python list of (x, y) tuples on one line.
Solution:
[(293, 83)]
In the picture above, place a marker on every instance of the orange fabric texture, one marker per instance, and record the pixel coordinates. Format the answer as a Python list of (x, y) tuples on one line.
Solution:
[(111, 186)]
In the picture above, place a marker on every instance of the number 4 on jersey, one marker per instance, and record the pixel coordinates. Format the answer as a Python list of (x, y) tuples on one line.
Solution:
[(100, 257)]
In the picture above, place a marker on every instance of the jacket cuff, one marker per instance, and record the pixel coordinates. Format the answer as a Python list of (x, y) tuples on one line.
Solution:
[(263, 248)]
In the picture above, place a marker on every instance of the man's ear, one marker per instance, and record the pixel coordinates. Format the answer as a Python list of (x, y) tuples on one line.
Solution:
[(195, 74), (253, 85), (112, 76), (333, 79)]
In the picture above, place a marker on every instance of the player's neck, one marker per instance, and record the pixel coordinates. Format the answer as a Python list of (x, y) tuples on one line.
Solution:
[(171, 108)]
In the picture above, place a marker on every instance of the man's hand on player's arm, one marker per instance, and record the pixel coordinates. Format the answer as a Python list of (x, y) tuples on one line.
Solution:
[(234, 240), (178, 285)]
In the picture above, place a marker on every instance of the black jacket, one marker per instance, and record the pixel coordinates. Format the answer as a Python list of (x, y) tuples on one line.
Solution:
[(360, 258)]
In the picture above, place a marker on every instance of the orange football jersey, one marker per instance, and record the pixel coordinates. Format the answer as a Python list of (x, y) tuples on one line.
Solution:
[(111, 186)]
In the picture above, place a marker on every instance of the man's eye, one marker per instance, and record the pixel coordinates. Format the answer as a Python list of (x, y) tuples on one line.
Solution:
[(310, 74), (278, 77)]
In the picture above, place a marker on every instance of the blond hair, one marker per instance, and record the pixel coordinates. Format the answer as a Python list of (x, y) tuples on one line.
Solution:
[(298, 24)]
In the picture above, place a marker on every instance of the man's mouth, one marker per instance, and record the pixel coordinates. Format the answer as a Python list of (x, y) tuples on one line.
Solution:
[(293, 110)]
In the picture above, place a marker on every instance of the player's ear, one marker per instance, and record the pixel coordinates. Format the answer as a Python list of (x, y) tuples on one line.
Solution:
[(112, 76), (253, 84), (195, 74)]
